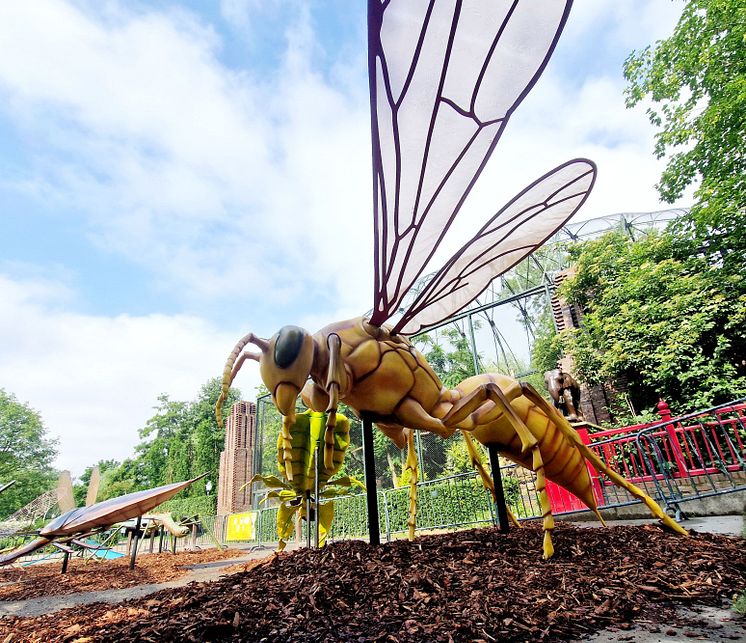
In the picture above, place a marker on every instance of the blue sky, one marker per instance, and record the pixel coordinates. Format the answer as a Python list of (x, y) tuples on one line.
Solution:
[(175, 174)]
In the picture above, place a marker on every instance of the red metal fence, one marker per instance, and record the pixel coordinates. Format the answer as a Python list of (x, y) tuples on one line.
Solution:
[(675, 459)]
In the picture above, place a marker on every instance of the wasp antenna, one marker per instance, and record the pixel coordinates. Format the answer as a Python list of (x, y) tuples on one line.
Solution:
[(263, 344), (232, 367)]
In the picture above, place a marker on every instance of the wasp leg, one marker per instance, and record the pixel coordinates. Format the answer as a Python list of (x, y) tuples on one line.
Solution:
[(546, 508), (287, 447), (336, 380), (567, 430), (473, 408), (412, 466), (473, 405), (411, 413), (486, 478)]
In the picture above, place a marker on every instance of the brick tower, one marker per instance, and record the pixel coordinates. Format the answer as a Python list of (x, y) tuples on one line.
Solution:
[(237, 459)]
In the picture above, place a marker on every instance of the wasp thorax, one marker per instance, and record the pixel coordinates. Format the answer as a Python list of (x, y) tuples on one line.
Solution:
[(286, 365)]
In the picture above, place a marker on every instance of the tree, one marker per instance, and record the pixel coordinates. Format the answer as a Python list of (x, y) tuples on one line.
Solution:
[(80, 490), (696, 80), (662, 317), (452, 366), (162, 451), (182, 440), (208, 438), (26, 453)]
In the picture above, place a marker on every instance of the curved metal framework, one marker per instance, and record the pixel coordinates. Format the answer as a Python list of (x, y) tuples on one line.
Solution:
[(527, 287)]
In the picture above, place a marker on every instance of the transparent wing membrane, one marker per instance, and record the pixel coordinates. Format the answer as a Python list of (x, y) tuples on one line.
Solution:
[(519, 228), (445, 78)]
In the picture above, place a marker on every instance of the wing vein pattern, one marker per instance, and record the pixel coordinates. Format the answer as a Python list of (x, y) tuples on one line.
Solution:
[(445, 78)]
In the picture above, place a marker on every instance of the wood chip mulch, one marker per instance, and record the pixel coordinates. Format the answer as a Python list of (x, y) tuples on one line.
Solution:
[(477, 585), (44, 579)]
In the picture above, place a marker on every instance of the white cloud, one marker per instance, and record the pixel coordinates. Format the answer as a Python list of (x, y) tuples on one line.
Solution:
[(95, 380), (208, 176), (160, 147)]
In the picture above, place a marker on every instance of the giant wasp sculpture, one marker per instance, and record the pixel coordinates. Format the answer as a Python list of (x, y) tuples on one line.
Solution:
[(445, 78)]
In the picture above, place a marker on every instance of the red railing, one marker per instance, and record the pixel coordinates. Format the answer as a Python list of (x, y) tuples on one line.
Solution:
[(700, 444)]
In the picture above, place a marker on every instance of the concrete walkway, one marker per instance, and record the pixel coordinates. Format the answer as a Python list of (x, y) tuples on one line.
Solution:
[(725, 525)]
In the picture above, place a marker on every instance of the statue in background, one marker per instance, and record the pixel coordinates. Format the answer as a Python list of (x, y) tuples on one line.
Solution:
[(565, 392)]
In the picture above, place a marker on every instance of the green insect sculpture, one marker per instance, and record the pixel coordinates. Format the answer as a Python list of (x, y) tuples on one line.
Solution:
[(296, 492)]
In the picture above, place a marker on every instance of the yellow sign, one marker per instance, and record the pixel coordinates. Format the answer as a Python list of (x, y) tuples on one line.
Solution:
[(242, 526)]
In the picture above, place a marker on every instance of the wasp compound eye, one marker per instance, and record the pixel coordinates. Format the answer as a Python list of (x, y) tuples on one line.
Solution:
[(288, 345)]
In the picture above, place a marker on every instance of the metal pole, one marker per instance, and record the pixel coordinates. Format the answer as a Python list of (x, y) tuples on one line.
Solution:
[(65, 560), (371, 493), (135, 539), (316, 495), (387, 520), (500, 507), (308, 519)]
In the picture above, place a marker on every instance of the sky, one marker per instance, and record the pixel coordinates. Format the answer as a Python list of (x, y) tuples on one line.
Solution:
[(175, 174)]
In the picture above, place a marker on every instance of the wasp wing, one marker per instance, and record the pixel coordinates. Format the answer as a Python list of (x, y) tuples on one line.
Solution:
[(519, 228), (445, 78), (65, 497)]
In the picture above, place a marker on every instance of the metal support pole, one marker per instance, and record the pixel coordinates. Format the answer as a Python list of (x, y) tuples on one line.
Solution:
[(135, 539), (500, 507), (371, 493), (65, 561), (307, 500), (316, 463)]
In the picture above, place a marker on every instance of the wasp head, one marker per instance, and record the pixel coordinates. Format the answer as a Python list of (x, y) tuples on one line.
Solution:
[(285, 366)]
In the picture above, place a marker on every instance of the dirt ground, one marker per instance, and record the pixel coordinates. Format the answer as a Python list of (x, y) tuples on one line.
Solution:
[(477, 585), (44, 579)]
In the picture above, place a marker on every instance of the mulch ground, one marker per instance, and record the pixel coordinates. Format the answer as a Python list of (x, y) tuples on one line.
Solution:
[(477, 585), (85, 576)]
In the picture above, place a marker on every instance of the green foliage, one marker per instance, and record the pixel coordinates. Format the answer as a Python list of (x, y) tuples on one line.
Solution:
[(457, 501), (454, 365), (26, 454), (546, 352), (739, 606), (696, 82), (458, 459), (187, 507), (80, 489), (661, 316), (183, 440)]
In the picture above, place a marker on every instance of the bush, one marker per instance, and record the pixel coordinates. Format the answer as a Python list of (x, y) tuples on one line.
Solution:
[(196, 505)]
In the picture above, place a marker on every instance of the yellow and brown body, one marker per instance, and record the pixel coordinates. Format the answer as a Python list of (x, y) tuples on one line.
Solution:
[(384, 377), (563, 462)]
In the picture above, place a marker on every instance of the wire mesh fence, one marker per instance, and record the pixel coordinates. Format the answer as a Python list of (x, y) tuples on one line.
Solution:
[(675, 461)]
